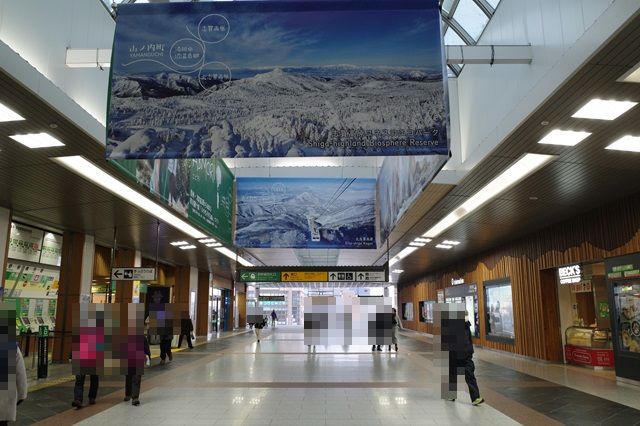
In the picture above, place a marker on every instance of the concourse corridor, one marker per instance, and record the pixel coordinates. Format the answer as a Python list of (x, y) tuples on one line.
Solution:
[(280, 381)]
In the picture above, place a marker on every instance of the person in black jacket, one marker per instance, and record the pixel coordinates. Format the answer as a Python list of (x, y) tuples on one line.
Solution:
[(456, 339), (186, 328)]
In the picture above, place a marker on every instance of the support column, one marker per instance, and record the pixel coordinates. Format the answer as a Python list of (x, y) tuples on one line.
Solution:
[(5, 229), (193, 295), (181, 288), (124, 289), (203, 316), (88, 258), (70, 285)]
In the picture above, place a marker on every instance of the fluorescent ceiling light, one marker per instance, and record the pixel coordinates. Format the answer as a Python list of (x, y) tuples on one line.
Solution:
[(444, 246), (599, 109), (522, 168), (564, 137), (179, 243), (7, 114), (189, 247), (91, 172), (626, 143), (422, 240), (631, 76), (415, 244), (213, 245), (398, 271), (403, 253), (232, 255), (37, 140), (207, 240), (450, 242)]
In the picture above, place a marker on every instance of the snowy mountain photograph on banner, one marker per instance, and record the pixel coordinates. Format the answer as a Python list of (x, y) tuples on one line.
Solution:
[(277, 79)]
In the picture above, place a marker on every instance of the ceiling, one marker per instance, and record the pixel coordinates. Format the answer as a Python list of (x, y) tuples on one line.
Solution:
[(580, 178)]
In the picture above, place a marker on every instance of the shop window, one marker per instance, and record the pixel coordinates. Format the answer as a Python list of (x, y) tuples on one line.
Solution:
[(499, 324)]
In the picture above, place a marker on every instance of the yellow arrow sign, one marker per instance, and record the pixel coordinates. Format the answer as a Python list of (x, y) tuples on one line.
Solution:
[(303, 276)]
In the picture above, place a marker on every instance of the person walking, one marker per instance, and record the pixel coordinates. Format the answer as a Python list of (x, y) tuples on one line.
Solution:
[(214, 320), (258, 328), (274, 318), (396, 327), (186, 329), (14, 393), (132, 388), (147, 347), (165, 348), (78, 389), (457, 335)]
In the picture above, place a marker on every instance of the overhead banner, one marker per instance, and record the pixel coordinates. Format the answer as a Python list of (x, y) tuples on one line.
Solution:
[(400, 181), (276, 79), (199, 189), (305, 213)]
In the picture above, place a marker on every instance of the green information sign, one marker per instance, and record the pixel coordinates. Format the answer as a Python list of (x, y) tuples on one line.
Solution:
[(43, 331), (199, 189), (622, 268), (603, 309), (260, 276)]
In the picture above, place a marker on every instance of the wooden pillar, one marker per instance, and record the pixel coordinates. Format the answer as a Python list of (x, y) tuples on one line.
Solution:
[(203, 317), (124, 289), (69, 289), (242, 309), (181, 288)]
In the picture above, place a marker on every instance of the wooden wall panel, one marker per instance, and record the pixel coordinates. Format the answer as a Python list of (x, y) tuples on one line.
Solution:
[(608, 231), (203, 317), (101, 262)]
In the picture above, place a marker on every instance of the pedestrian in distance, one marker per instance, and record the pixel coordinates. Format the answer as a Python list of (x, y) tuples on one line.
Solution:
[(165, 348), (396, 327), (13, 393), (257, 328), (186, 329), (274, 318), (147, 348)]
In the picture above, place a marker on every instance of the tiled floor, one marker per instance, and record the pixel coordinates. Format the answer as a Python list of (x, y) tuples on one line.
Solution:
[(280, 381)]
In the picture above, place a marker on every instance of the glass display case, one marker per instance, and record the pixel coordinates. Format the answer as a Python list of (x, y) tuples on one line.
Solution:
[(588, 337)]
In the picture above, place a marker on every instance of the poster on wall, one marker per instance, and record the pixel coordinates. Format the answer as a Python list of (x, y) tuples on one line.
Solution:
[(627, 299), (199, 189), (407, 311), (400, 181), (51, 253), (277, 79), (25, 242), (426, 310), (305, 213), (499, 311)]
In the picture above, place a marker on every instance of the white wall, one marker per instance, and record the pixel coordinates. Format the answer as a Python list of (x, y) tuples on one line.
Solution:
[(493, 101), (40, 32)]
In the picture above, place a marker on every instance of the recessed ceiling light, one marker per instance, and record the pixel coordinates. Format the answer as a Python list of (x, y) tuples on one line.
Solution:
[(207, 240), (631, 76), (444, 246), (7, 114), (189, 247), (231, 255), (179, 243), (522, 168), (416, 244), (37, 140), (450, 242), (213, 245), (626, 143), (599, 109), (398, 271), (564, 137), (533, 198), (422, 240)]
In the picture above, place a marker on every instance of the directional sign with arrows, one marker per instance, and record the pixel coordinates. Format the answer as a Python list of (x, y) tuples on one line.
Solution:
[(133, 274), (312, 274)]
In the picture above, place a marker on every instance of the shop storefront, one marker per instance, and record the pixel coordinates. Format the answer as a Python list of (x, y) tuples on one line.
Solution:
[(583, 309)]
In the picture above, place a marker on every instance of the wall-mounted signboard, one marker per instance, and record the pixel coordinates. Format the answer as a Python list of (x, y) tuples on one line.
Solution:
[(571, 274), (313, 274)]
